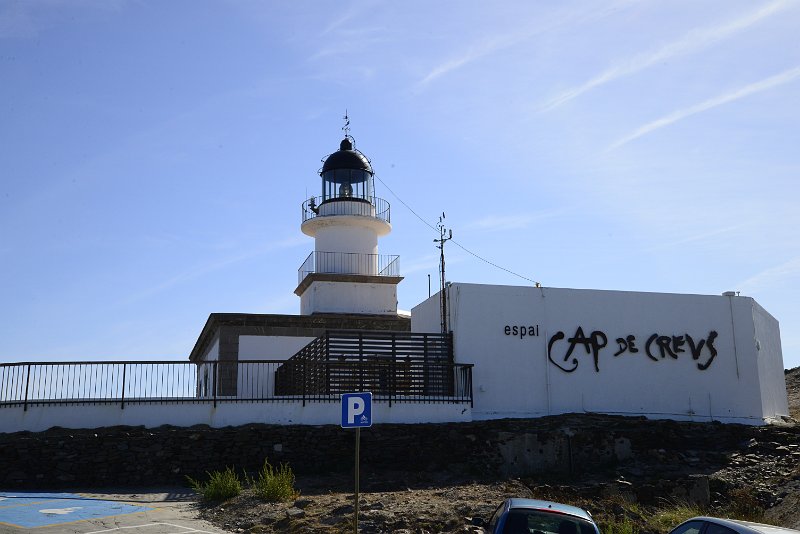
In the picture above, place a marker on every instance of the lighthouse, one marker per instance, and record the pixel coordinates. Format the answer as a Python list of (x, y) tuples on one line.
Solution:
[(345, 273)]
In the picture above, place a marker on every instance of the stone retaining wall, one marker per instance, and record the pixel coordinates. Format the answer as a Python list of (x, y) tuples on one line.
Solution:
[(131, 456)]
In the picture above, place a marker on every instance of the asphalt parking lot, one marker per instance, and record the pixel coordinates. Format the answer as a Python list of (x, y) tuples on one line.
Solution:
[(151, 511)]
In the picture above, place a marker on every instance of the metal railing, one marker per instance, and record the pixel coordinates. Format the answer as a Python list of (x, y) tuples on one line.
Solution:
[(349, 263), (30, 383), (141, 382), (365, 344), (388, 380), (319, 207), (393, 365)]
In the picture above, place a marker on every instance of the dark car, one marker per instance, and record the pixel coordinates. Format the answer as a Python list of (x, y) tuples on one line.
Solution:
[(716, 525), (530, 516)]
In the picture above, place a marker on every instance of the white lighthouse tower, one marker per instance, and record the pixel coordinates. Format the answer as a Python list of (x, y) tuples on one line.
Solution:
[(345, 273)]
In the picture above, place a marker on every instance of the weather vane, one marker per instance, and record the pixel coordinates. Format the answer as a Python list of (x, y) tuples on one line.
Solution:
[(346, 127)]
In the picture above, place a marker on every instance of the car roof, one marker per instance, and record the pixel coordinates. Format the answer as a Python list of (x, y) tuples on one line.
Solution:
[(749, 526), (549, 506)]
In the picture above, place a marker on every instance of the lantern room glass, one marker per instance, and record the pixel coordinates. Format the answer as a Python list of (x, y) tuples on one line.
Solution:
[(350, 184)]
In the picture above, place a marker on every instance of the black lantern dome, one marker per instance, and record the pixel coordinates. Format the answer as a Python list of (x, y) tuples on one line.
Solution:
[(347, 174), (346, 158)]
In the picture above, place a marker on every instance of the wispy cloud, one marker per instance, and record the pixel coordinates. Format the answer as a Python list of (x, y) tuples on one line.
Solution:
[(502, 40), (423, 263), (206, 268), (702, 236), (475, 52), (352, 42), (508, 222), (763, 85), (343, 37), (340, 21), (691, 42), (773, 276)]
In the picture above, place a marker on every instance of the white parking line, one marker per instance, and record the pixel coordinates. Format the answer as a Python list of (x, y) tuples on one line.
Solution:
[(186, 530), (190, 529)]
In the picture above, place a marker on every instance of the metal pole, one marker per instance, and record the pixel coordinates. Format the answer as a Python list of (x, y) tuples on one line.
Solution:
[(28, 381), (443, 304), (443, 238), (392, 369), (358, 447), (216, 379), (124, 369)]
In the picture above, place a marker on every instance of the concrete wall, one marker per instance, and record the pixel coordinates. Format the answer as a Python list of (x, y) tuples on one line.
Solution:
[(41, 418), (270, 347), (257, 381), (212, 353), (351, 238), (540, 351), (770, 363), (349, 297)]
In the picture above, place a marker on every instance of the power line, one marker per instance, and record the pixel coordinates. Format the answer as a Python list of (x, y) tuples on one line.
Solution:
[(426, 223), (462, 247), (465, 249)]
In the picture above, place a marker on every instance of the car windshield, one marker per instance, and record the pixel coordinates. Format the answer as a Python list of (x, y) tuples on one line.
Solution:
[(521, 521)]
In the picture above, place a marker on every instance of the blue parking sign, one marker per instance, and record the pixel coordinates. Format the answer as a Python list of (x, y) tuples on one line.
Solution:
[(356, 410)]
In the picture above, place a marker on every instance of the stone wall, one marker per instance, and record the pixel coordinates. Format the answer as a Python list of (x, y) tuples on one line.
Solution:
[(568, 445)]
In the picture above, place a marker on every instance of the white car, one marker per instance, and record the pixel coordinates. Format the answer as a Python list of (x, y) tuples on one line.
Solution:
[(715, 525), (531, 516)]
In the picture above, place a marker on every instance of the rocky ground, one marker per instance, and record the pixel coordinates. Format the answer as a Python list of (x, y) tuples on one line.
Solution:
[(793, 390), (760, 478)]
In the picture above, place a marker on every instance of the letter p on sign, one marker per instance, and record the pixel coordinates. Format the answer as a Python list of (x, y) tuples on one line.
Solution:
[(356, 410)]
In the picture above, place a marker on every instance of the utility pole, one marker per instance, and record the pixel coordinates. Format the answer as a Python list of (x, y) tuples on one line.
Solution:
[(444, 236)]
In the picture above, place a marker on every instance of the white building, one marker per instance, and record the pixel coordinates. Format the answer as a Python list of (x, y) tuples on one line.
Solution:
[(541, 351)]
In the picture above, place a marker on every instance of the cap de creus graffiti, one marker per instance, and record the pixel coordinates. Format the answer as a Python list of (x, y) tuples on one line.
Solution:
[(657, 347)]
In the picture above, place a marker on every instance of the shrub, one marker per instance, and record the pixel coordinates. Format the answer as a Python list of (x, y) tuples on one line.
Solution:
[(743, 504), (619, 526), (274, 485), (671, 514), (221, 485)]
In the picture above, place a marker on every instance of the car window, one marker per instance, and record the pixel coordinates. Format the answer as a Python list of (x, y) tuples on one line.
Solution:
[(691, 527), (528, 521), (713, 528), (495, 517)]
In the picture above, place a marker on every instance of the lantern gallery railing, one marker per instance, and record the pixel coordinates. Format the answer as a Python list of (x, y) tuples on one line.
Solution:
[(136, 382), (321, 207), (349, 263)]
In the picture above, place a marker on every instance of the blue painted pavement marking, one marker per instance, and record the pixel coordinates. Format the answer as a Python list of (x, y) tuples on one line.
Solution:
[(31, 509)]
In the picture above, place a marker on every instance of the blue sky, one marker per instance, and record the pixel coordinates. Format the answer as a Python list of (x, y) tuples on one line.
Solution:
[(154, 155)]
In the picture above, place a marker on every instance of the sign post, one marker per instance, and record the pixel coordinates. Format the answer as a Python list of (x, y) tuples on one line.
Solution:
[(357, 413)]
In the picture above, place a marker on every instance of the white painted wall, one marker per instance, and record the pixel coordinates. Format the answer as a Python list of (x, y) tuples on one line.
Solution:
[(346, 238), (212, 353), (256, 381), (770, 363), (205, 378), (349, 297), (40, 418), (426, 316), (270, 347), (513, 376)]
